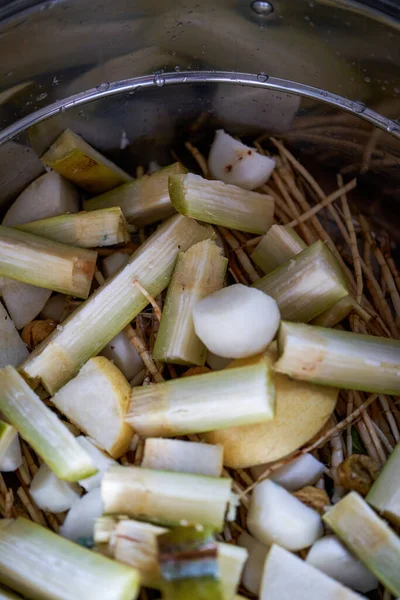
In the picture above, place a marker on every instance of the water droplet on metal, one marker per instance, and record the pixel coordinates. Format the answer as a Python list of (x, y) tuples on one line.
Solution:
[(177, 68), (41, 96), (159, 80), (262, 77), (262, 8), (367, 79), (103, 87)]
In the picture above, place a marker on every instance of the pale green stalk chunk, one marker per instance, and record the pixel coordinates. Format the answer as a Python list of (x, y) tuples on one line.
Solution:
[(384, 495), (278, 245)]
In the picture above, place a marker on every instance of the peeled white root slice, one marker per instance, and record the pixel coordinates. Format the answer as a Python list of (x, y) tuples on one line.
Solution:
[(254, 566), (237, 321), (113, 262), (96, 400), (286, 576), (54, 308), (138, 379), (23, 301), (302, 471), (12, 458), (100, 460), (79, 522), (181, 456), (123, 355), (217, 362), (330, 556), (275, 516), (50, 195), (232, 162), (12, 349), (52, 494)]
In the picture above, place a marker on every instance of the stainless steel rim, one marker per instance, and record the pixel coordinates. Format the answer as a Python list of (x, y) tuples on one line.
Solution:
[(261, 80)]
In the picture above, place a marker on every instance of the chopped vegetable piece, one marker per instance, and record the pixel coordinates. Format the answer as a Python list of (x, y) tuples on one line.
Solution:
[(23, 301), (76, 160), (279, 244), (113, 263), (275, 516), (166, 497), (221, 204), (217, 362), (52, 494), (233, 162), (55, 308), (198, 272), (42, 429), (203, 402), (384, 495), (113, 305), (237, 321), (35, 260), (121, 352), (306, 285), (254, 566), (12, 349), (97, 400), (101, 461), (302, 471), (143, 201), (183, 457), (79, 523), (10, 450), (104, 227), (368, 537), (339, 358), (40, 564)]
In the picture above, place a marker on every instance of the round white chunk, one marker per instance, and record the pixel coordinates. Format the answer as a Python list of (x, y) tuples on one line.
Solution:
[(275, 516), (233, 162), (50, 493), (302, 471), (79, 522), (237, 321)]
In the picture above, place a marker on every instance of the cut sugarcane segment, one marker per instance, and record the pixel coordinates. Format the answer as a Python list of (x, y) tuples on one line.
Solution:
[(166, 497), (336, 313), (143, 201), (253, 569), (10, 449), (42, 429), (204, 402), (12, 349), (332, 558), (198, 272), (40, 564), (49, 195), (231, 561), (237, 321), (104, 227), (121, 352), (79, 523), (279, 244), (233, 162), (221, 204), (23, 301), (183, 457), (104, 528), (52, 494), (217, 362), (113, 305), (286, 576), (339, 358), (301, 410), (55, 308), (275, 516), (8, 433), (101, 461), (384, 495), (76, 160), (302, 471), (96, 400), (114, 262), (368, 537), (35, 260), (306, 285)]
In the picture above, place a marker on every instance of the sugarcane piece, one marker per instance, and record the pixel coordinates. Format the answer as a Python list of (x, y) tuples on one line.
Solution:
[(144, 200), (233, 162), (221, 204), (339, 358), (10, 451), (287, 576), (76, 160), (97, 400), (78, 525), (50, 493), (51, 265), (306, 285), (40, 564), (105, 530), (42, 429), (300, 472), (334, 315), (100, 459), (237, 321), (49, 195), (104, 227), (121, 352), (254, 566), (12, 349), (55, 309), (23, 301), (204, 402), (188, 563), (165, 497), (198, 272), (368, 537), (183, 457), (278, 245), (384, 494), (113, 305)]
